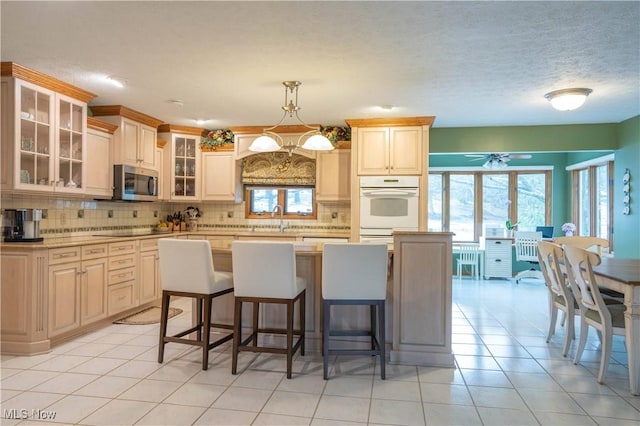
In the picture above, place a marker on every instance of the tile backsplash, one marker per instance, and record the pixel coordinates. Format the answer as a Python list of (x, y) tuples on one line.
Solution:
[(68, 216)]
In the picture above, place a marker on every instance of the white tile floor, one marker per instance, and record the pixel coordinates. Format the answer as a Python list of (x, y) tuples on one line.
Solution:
[(506, 375)]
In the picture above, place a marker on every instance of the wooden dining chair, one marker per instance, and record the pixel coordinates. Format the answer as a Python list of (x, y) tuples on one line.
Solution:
[(608, 319), (594, 244), (560, 295), (468, 256), (588, 243)]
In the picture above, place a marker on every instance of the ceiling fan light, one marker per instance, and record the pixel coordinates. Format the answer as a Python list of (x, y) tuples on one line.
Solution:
[(568, 99), (264, 143), (318, 143)]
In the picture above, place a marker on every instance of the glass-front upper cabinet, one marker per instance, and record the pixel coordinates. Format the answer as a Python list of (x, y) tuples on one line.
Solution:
[(35, 133), (70, 144), (44, 127), (186, 154)]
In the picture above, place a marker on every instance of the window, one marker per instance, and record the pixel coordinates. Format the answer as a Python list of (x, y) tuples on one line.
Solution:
[(297, 203), (592, 205), (467, 202)]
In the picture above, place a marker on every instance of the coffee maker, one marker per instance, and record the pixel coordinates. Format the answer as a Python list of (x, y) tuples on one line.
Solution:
[(21, 225)]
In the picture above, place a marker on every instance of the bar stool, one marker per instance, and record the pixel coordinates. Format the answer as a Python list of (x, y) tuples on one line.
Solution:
[(186, 270), (265, 272), (355, 274)]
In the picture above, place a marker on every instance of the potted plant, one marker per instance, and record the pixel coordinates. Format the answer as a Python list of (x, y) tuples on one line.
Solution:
[(214, 139), (568, 229), (335, 134)]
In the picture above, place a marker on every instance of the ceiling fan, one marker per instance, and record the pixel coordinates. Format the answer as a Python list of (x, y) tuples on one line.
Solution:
[(497, 160)]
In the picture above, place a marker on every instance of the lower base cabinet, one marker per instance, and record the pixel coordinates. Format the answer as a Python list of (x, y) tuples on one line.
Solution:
[(64, 298), (148, 271), (121, 297)]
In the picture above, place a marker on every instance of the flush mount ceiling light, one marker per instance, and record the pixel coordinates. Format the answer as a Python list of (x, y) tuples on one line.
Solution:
[(568, 99), (270, 141)]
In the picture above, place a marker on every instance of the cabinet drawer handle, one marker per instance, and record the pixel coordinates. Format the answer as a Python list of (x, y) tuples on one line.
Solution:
[(122, 261), (95, 251), (498, 260), (66, 255), (122, 275), (498, 242)]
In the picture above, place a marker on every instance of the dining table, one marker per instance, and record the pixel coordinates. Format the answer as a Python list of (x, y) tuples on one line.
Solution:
[(623, 275)]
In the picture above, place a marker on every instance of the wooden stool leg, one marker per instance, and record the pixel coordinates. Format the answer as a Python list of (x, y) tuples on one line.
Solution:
[(237, 329), (256, 313), (382, 338), (326, 321), (199, 318), (164, 317), (206, 326), (290, 312)]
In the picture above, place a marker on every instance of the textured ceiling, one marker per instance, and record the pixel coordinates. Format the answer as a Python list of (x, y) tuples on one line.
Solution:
[(467, 63)]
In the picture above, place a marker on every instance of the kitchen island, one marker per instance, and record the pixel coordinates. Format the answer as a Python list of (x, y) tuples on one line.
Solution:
[(54, 291)]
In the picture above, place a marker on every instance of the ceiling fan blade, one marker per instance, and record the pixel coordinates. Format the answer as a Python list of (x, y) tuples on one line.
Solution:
[(523, 156), (479, 158), (476, 155)]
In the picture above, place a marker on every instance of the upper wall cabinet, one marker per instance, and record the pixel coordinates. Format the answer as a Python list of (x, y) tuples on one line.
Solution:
[(134, 143), (333, 175), (181, 170), (99, 163), (390, 146), (220, 177), (43, 132)]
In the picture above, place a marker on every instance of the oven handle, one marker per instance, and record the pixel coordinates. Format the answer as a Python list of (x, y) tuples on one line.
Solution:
[(382, 192)]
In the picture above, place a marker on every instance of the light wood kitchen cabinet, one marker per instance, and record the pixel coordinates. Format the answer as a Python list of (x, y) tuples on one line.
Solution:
[(396, 146), (148, 271), (134, 142), (389, 151), (333, 175), (422, 299), (43, 132), (162, 187), (220, 177), (99, 163), (77, 288), (497, 257), (122, 276), (181, 169)]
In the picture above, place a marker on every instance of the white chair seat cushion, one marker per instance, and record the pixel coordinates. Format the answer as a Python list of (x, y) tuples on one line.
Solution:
[(354, 271), (223, 281)]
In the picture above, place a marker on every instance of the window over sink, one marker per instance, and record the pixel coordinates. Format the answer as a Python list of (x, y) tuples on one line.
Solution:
[(296, 202)]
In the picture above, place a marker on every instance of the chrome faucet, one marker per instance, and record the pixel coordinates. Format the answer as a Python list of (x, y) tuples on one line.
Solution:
[(275, 210)]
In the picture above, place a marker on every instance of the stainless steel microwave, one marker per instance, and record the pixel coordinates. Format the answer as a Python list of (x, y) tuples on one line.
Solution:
[(134, 183)]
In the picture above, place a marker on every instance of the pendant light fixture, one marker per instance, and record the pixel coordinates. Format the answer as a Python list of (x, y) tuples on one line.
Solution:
[(270, 141), (568, 99)]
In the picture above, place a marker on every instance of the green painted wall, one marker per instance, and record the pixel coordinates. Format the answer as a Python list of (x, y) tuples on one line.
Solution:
[(582, 137), (626, 237), (557, 146)]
